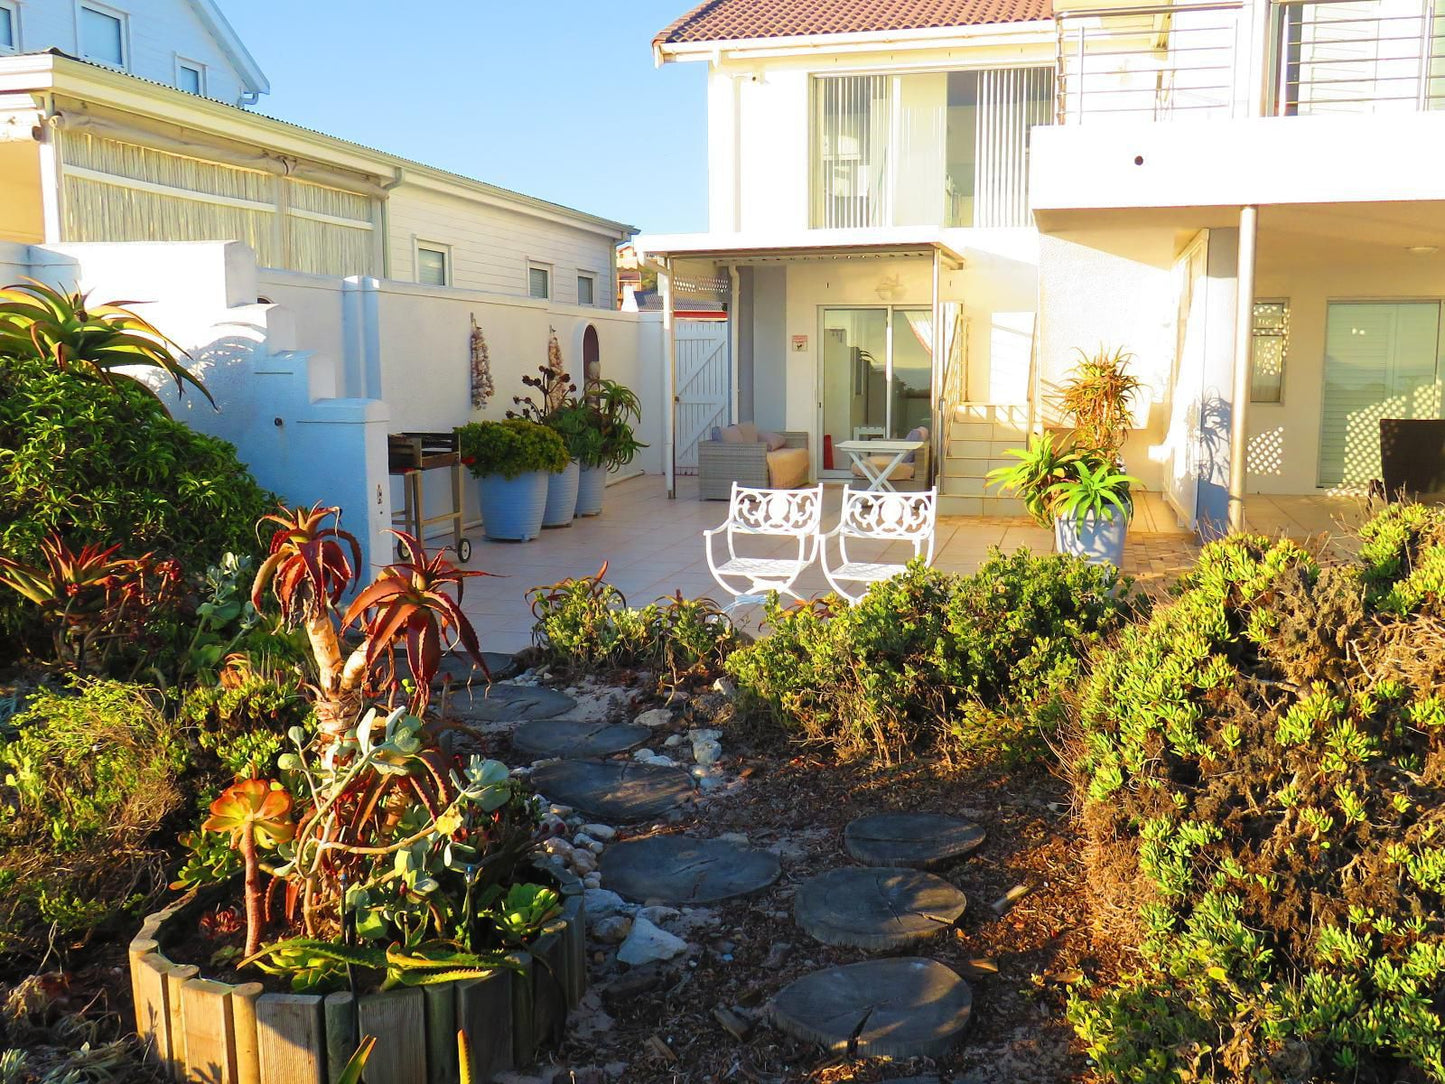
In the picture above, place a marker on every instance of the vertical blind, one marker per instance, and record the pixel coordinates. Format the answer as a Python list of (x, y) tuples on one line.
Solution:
[(884, 156)]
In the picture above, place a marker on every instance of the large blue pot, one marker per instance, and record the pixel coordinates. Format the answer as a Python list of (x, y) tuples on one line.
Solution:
[(590, 487), (512, 508), (1098, 541), (562, 496)]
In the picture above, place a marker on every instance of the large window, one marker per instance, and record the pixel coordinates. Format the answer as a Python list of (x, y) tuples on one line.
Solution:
[(433, 264), (930, 148), (102, 35)]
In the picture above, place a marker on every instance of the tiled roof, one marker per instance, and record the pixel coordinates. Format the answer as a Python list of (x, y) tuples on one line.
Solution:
[(729, 20)]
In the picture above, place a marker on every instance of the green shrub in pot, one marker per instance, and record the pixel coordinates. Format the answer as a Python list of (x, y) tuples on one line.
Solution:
[(512, 461), (616, 409)]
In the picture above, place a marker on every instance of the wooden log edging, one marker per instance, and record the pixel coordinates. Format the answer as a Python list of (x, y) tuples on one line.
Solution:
[(219, 1033)]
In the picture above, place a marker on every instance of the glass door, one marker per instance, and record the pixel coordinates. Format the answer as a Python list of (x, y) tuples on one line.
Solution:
[(877, 377), (1382, 360)]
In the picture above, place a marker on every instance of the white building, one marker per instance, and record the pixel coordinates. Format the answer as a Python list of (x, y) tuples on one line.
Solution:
[(925, 208)]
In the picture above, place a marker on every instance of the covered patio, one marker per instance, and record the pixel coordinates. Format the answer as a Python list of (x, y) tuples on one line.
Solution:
[(653, 547)]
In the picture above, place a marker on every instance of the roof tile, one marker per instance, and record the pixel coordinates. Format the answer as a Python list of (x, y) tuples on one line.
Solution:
[(729, 20)]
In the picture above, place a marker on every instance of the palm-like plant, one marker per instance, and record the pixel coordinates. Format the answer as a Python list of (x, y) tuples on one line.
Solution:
[(40, 322), (1039, 469), (1097, 396), (1097, 490)]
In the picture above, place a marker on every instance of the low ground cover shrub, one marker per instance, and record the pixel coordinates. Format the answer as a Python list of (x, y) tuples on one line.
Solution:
[(1263, 770), (90, 774), (929, 655), (585, 623)]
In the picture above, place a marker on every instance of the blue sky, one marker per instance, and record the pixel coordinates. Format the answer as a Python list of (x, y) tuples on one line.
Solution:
[(555, 98)]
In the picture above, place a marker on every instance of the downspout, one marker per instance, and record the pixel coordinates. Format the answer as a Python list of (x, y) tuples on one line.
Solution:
[(385, 224), (734, 355)]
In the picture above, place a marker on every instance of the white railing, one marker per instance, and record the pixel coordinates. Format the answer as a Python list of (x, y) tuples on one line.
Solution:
[(1173, 62)]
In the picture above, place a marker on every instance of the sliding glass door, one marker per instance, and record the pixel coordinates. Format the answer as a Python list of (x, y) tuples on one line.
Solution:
[(1382, 360), (877, 377)]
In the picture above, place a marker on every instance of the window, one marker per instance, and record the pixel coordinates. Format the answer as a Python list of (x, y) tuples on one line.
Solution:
[(9, 28), (586, 288), (539, 281), (190, 77), (929, 148), (431, 265), (102, 36), (1268, 347)]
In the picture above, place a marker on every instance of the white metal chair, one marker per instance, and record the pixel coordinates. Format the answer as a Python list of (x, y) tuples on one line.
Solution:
[(795, 514), (875, 516)]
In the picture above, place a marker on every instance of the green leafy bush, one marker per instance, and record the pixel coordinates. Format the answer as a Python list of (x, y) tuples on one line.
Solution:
[(512, 447), (1263, 774), (929, 654), (90, 774)]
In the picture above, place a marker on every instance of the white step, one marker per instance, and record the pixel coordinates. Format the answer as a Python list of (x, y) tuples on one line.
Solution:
[(1015, 415), (982, 449), (954, 505)]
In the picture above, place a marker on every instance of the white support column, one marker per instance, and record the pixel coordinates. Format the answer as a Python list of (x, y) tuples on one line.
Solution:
[(733, 417), (1243, 344), (669, 381), (52, 184)]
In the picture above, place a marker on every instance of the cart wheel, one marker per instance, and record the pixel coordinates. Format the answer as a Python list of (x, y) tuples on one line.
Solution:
[(400, 552), (464, 550)]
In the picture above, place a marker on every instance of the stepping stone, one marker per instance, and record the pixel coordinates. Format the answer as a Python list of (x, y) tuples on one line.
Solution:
[(614, 791), (498, 703), (570, 738), (919, 840), (461, 669), (676, 869), (876, 908), (903, 1007)]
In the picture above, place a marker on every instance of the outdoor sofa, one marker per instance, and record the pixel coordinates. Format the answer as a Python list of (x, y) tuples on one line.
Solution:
[(751, 457)]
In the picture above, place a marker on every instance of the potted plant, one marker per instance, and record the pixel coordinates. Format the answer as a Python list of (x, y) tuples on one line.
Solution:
[(616, 410), (581, 427), (513, 461), (554, 389)]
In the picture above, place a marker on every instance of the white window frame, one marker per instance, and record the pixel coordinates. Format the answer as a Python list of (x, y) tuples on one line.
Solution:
[(590, 276), (122, 17), (186, 63), (13, 9), (538, 265), (419, 243)]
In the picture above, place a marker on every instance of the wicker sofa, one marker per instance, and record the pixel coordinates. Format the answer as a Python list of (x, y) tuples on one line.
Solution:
[(720, 463)]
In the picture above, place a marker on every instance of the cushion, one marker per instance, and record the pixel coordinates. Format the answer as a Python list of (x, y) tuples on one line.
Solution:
[(749, 432), (716, 434), (920, 433), (901, 473), (774, 441), (733, 434), (788, 467)]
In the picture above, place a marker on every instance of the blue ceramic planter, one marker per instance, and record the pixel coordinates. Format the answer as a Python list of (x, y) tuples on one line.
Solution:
[(562, 496), (590, 487), (512, 508), (1098, 541)]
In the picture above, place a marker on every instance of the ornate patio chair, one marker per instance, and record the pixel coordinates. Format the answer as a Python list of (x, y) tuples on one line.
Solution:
[(877, 516), (795, 514)]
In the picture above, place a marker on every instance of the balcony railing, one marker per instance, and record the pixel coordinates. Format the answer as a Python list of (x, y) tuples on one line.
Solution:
[(1193, 61)]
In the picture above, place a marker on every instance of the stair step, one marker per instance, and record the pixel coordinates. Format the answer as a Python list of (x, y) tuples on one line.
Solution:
[(952, 504), (1015, 414), (981, 449)]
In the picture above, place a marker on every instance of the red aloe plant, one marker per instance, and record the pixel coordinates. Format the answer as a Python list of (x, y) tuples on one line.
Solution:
[(255, 813)]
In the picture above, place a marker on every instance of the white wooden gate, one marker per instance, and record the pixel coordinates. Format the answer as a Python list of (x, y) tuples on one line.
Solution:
[(704, 386)]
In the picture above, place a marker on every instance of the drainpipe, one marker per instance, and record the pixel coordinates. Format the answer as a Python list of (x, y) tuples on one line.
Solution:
[(733, 354), (1243, 342), (669, 379), (384, 225)]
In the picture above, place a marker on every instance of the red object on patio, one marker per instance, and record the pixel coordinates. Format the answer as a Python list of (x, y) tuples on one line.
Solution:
[(827, 451)]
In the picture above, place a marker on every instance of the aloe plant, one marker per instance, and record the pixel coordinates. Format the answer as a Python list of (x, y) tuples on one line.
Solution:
[(255, 813), (1097, 490), (314, 964), (1040, 467)]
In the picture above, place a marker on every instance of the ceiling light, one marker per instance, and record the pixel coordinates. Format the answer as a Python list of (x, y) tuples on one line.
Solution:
[(1423, 250)]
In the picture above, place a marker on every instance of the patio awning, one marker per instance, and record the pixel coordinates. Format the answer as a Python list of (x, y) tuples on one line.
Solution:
[(778, 246)]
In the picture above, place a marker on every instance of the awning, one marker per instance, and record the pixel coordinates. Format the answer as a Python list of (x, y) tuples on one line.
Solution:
[(781, 246)]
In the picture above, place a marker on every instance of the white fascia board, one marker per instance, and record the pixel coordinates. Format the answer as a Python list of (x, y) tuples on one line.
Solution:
[(231, 44), (42, 73), (799, 243), (934, 37)]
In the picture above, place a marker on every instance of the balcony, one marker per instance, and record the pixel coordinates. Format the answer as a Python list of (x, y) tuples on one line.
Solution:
[(1196, 61)]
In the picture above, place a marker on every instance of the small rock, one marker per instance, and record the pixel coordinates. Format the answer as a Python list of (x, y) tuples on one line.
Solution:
[(643, 754), (725, 687), (560, 810), (605, 832), (582, 839), (696, 736), (584, 862), (648, 943), (659, 914), (558, 846), (707, 753), (735, 837), (655, 718), (777, 955), (612, 930), (597, 902), (660, 761), (592, 880), (673, 741)]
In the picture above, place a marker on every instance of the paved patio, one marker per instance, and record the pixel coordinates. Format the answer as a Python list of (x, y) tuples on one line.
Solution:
[(653, 547)]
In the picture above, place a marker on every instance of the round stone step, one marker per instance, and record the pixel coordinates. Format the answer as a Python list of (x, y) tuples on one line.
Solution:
[(677, 869), (902, 1007), (876, 908), (500, 702), (572, 739), (919, 840), (614, 791), (461, 669)]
